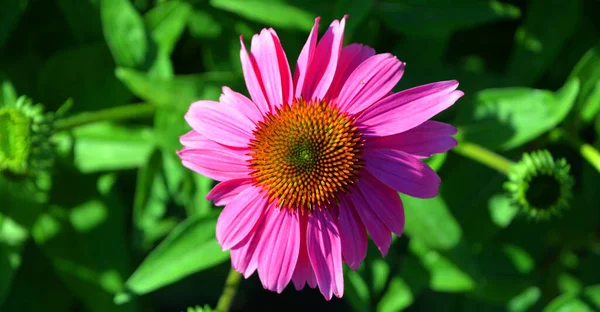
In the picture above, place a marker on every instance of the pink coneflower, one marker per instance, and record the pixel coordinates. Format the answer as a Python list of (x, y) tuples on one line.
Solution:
[(311, 164)]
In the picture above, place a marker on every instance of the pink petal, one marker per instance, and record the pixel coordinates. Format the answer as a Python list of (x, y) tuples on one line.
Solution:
[(218, 163), (305, 58), (409, 108), (402, 172), (370, 82), (324, 62), (304, 272), (220, 123), (424, 140), (273, 66), (224, 192), (193, 139), (351, 57), (353, 235), (380, 234), (253, 79), (325, 252), (384, 201), (280, 245), (244, 255), (241, 103), (238, 218)]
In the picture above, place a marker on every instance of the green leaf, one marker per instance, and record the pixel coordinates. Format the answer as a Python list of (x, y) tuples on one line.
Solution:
[(70, 74), (83, 17), (189, 248), (125, 33), (276, 13), (12, 239), (167, 22), (510, 117), (397, 297), (179, 92), (525, 300), (430, 221), (587, 71), (10, 12), (539, 41), (8, 95), (567, 303), (593, 294), (502, 210), (203, 25), (418, 17), (104, 146), (357, 291)]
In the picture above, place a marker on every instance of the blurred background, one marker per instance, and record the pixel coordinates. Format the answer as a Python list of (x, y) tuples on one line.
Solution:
[(100, 215)]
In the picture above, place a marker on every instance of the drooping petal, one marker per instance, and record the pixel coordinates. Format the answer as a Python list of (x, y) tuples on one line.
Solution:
[(380, 234), (193, 139), (409, 108), (304, 273), (241, 103), (220, 123), (279, 248), (273, 66), (244, 255), (304, 60), (218, 163), (351, 57), (325, 253), (369, 82), (238, 218), (324, 62), (402, 172), (353, 235), (384, 201), (424, 140), (224, 192), (253, 79)]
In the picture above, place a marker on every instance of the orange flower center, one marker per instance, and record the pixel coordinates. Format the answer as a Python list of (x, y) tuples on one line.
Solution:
[(305, 154)]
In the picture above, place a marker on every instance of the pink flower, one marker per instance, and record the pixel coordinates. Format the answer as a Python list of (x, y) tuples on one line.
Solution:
[(312, 163)]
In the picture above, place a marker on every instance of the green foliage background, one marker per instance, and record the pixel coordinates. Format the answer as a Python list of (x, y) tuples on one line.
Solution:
[(125, 227)]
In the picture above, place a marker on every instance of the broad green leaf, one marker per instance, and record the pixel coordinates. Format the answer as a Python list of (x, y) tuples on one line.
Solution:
[(502, 210), (203, 25), (418, 17), (92, 85), (12, 239), (276, 13), (510, 117), (540, 39), (397, 297), (189, 248), (177, 93), (10, 12), (83, 17), (167, 22), (567, 303), (430, 221), (587, 71), (125, 32), (104, 146)]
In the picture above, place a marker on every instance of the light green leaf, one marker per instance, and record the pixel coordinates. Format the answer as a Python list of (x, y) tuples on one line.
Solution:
[(587, 71), (525, 300), (8, 95), (593, 294), (125, 33), (104, 146), (567, 303), (502, 210), (12, 239), (397, 297), (167, 22), (203, 25), (418, 17), (189, 248), (430, 221), (357, 291), (276, 13), (510, 117)]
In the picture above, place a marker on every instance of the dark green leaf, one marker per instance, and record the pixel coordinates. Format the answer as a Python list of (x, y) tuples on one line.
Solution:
[(12, 239), (203, 25), (587, 71), (167, 22), (276, 13), (83, 17), (10, 12)]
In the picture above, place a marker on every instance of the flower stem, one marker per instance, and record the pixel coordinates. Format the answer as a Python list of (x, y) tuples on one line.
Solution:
[(115, 113), (229, 291), (587, 151), (484, 156)]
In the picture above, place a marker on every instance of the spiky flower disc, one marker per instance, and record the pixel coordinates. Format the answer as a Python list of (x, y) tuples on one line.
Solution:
[(539, 185)]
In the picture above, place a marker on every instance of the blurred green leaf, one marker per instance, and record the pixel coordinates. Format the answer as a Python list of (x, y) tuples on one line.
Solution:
[(83, 17), (510, 117), (357, 10), (8, 95), (203, 25), (525, 300), (357, 291), (540, 39), (189, 248), (417, 17), (275, 13), (91, 85), (167, 22), (177, 93), (397, 297), (104, 146), (567, 303), (592, 293), (10, 12), (12, 239), (125, 33), (430, 221), (587, 71), (502, 210)]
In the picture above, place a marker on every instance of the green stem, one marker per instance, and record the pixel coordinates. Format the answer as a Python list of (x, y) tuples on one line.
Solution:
[(587, 151), (116, 113), (229, 291), (484, 156)]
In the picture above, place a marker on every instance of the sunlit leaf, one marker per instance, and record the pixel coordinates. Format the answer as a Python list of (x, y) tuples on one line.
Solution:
[(167, 22), (587, 71), (275, 13), (125, 32)]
